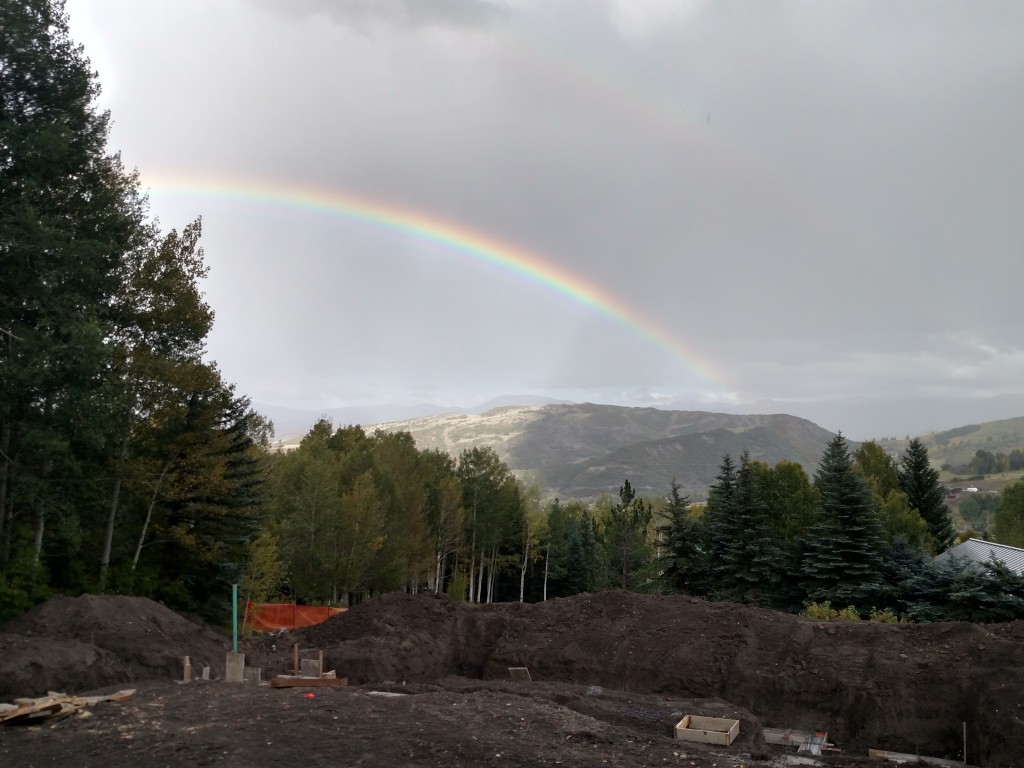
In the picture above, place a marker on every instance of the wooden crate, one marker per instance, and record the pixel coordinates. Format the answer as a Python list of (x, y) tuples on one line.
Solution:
[(708, 730)]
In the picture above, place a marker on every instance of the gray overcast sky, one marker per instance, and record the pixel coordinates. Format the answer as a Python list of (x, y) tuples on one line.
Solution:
[(795, 204)]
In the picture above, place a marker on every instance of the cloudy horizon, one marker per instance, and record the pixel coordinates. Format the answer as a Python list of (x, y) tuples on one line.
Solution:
[(640, 203)]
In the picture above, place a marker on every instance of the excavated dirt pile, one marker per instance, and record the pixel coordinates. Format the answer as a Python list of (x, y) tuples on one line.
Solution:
[(430, 686), (77, 644)]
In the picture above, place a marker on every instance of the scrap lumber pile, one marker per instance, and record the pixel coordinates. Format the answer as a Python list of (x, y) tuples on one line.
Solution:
[(53, 707)]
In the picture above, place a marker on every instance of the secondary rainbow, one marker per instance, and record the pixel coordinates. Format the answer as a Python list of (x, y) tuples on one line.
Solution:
[(448, 234)]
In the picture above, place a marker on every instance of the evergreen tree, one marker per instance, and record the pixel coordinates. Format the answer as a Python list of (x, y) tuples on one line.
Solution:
[(846, 544), (920, 481), (750, 559), (574, 556), (681, 553), (626, 541), (720, 522)]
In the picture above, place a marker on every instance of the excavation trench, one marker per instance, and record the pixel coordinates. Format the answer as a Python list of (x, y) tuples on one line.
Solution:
[(904, 688)]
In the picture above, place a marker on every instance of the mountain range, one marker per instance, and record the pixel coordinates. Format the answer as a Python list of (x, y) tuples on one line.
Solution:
[(584, 450), (580, 451)]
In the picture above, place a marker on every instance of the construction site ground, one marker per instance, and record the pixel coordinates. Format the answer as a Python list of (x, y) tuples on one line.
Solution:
[(429, 686)]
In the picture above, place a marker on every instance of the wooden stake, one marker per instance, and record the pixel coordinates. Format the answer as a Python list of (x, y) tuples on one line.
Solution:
[(320, 664), (295, 659)]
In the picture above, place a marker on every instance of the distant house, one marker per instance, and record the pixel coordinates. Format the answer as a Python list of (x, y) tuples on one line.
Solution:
[(981, 551)]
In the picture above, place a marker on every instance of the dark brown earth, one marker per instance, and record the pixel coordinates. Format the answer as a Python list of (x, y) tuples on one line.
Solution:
[(611, 673)]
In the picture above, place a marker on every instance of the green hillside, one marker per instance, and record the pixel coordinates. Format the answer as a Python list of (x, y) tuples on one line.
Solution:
[(956, 447)]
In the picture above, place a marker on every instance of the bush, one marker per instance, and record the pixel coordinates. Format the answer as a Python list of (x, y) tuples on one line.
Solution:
[(22, 586), (458, 586), (886, 616), (821, 611), (825, 611)]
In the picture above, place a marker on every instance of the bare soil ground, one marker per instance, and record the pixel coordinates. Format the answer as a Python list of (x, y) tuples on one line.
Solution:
[(611, 674)]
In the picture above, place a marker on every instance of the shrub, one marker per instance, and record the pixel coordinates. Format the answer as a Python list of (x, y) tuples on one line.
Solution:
[(849, 613), (822, 610), (886, 616)]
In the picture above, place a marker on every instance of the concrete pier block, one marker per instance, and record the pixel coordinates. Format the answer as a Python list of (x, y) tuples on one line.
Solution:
[(234, 668)]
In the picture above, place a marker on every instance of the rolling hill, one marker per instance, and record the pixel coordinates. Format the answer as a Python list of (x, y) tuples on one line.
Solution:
[(584, 450), (956, 447)]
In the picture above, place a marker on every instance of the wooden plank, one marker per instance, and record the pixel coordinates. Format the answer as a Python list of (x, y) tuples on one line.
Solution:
[(44, 707), (902, 757), (56, 705), (287, 681)]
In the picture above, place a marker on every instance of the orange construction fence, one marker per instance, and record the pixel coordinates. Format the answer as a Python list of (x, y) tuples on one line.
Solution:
[(270, 617)]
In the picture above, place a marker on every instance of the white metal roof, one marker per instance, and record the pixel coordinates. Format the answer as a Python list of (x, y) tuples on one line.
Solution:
[(981, 551)]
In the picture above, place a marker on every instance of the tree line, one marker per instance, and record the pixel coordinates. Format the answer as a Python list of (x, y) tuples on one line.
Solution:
[(353, 514), (989, 463), (126, 461)]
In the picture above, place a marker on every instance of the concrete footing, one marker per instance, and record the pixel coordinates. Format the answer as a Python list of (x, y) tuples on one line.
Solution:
[(234, 668)]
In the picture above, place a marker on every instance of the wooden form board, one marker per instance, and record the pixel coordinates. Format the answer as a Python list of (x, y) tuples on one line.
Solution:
[(707, 730), (520, 674), (900, 757)]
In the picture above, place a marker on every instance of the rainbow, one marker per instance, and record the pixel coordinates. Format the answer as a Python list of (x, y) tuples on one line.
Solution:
[(448, 234)]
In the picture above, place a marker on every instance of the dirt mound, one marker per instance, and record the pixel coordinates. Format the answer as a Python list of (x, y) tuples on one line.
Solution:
[(32, 666), (96, 640), (905, 688)]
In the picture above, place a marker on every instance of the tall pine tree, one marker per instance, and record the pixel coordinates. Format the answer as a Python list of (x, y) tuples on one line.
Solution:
[(720, 522), (681, 554), (846, 544), (751, 559), (920, 481), (625, 538)]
